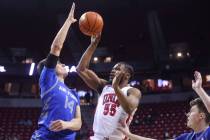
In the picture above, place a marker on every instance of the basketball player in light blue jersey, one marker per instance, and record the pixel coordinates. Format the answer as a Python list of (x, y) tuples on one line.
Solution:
[(60, 116)]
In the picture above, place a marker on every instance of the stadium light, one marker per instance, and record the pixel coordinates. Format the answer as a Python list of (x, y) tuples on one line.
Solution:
[(2, 69), (95, 59), (31, 69), (179, 54), (134, 83), (207, 78), (108, 59)]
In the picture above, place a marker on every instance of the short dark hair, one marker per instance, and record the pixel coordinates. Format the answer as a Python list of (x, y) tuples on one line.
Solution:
[(128, 68), (202, 108), (41, 65)]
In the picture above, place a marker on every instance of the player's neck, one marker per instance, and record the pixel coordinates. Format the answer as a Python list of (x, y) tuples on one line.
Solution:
[(202, 127), (123, 84), (61, 79)]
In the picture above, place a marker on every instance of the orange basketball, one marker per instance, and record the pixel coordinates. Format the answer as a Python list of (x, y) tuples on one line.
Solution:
[(91, 23)]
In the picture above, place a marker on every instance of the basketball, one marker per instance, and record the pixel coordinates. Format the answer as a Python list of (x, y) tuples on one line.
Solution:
[(91, 23)]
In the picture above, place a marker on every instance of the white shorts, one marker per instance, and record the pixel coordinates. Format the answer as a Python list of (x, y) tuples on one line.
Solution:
[(98, 137)]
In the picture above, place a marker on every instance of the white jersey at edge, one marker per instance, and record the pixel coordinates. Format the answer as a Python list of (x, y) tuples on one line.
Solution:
[(109, 113)]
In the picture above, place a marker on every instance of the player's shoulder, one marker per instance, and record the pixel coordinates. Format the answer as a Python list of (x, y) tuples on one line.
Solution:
[(184, 136), (48, 79), (47, 71), (208, 131), (133, 90), (107, 87), (102, 84)]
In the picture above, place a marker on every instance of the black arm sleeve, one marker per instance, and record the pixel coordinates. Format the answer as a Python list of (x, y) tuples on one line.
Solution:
[(51, 61)]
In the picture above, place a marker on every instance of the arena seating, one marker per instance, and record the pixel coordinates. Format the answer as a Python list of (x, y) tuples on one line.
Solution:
[(18, 122), (150, 120), (155, 120)]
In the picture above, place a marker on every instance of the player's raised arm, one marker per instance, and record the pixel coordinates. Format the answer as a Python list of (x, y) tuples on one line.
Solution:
[(56, 47), (57, 44), (130, 102), (90, 77), (197, 87)]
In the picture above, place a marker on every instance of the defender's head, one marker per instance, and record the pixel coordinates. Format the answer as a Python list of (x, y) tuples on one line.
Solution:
[(198, 114)]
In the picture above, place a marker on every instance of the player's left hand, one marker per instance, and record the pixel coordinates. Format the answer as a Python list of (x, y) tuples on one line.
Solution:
[(197, 83), (117, 79), (95, 39), (58, 125)]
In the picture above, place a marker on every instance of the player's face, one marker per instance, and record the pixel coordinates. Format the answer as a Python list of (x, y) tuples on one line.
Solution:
[(193, 117), (61, 70), (117, 68)]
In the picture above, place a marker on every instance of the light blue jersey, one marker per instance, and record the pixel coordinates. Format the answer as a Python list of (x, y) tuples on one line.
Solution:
[(204, 135), (58, 103)]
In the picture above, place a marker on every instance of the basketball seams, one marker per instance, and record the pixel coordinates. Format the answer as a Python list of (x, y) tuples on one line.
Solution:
[(82, 25), (92, 30), (88, 23), (97, 28), (85, 24)]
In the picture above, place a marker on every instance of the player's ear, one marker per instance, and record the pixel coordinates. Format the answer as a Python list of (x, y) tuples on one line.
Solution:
[(202, 115), (127, 75)]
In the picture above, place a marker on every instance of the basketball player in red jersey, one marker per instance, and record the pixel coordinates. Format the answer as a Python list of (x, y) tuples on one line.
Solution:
[(117, 102)]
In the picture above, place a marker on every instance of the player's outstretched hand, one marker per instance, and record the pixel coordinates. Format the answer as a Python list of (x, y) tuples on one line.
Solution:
[(197, 82), (95, 39), (71, 14)]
